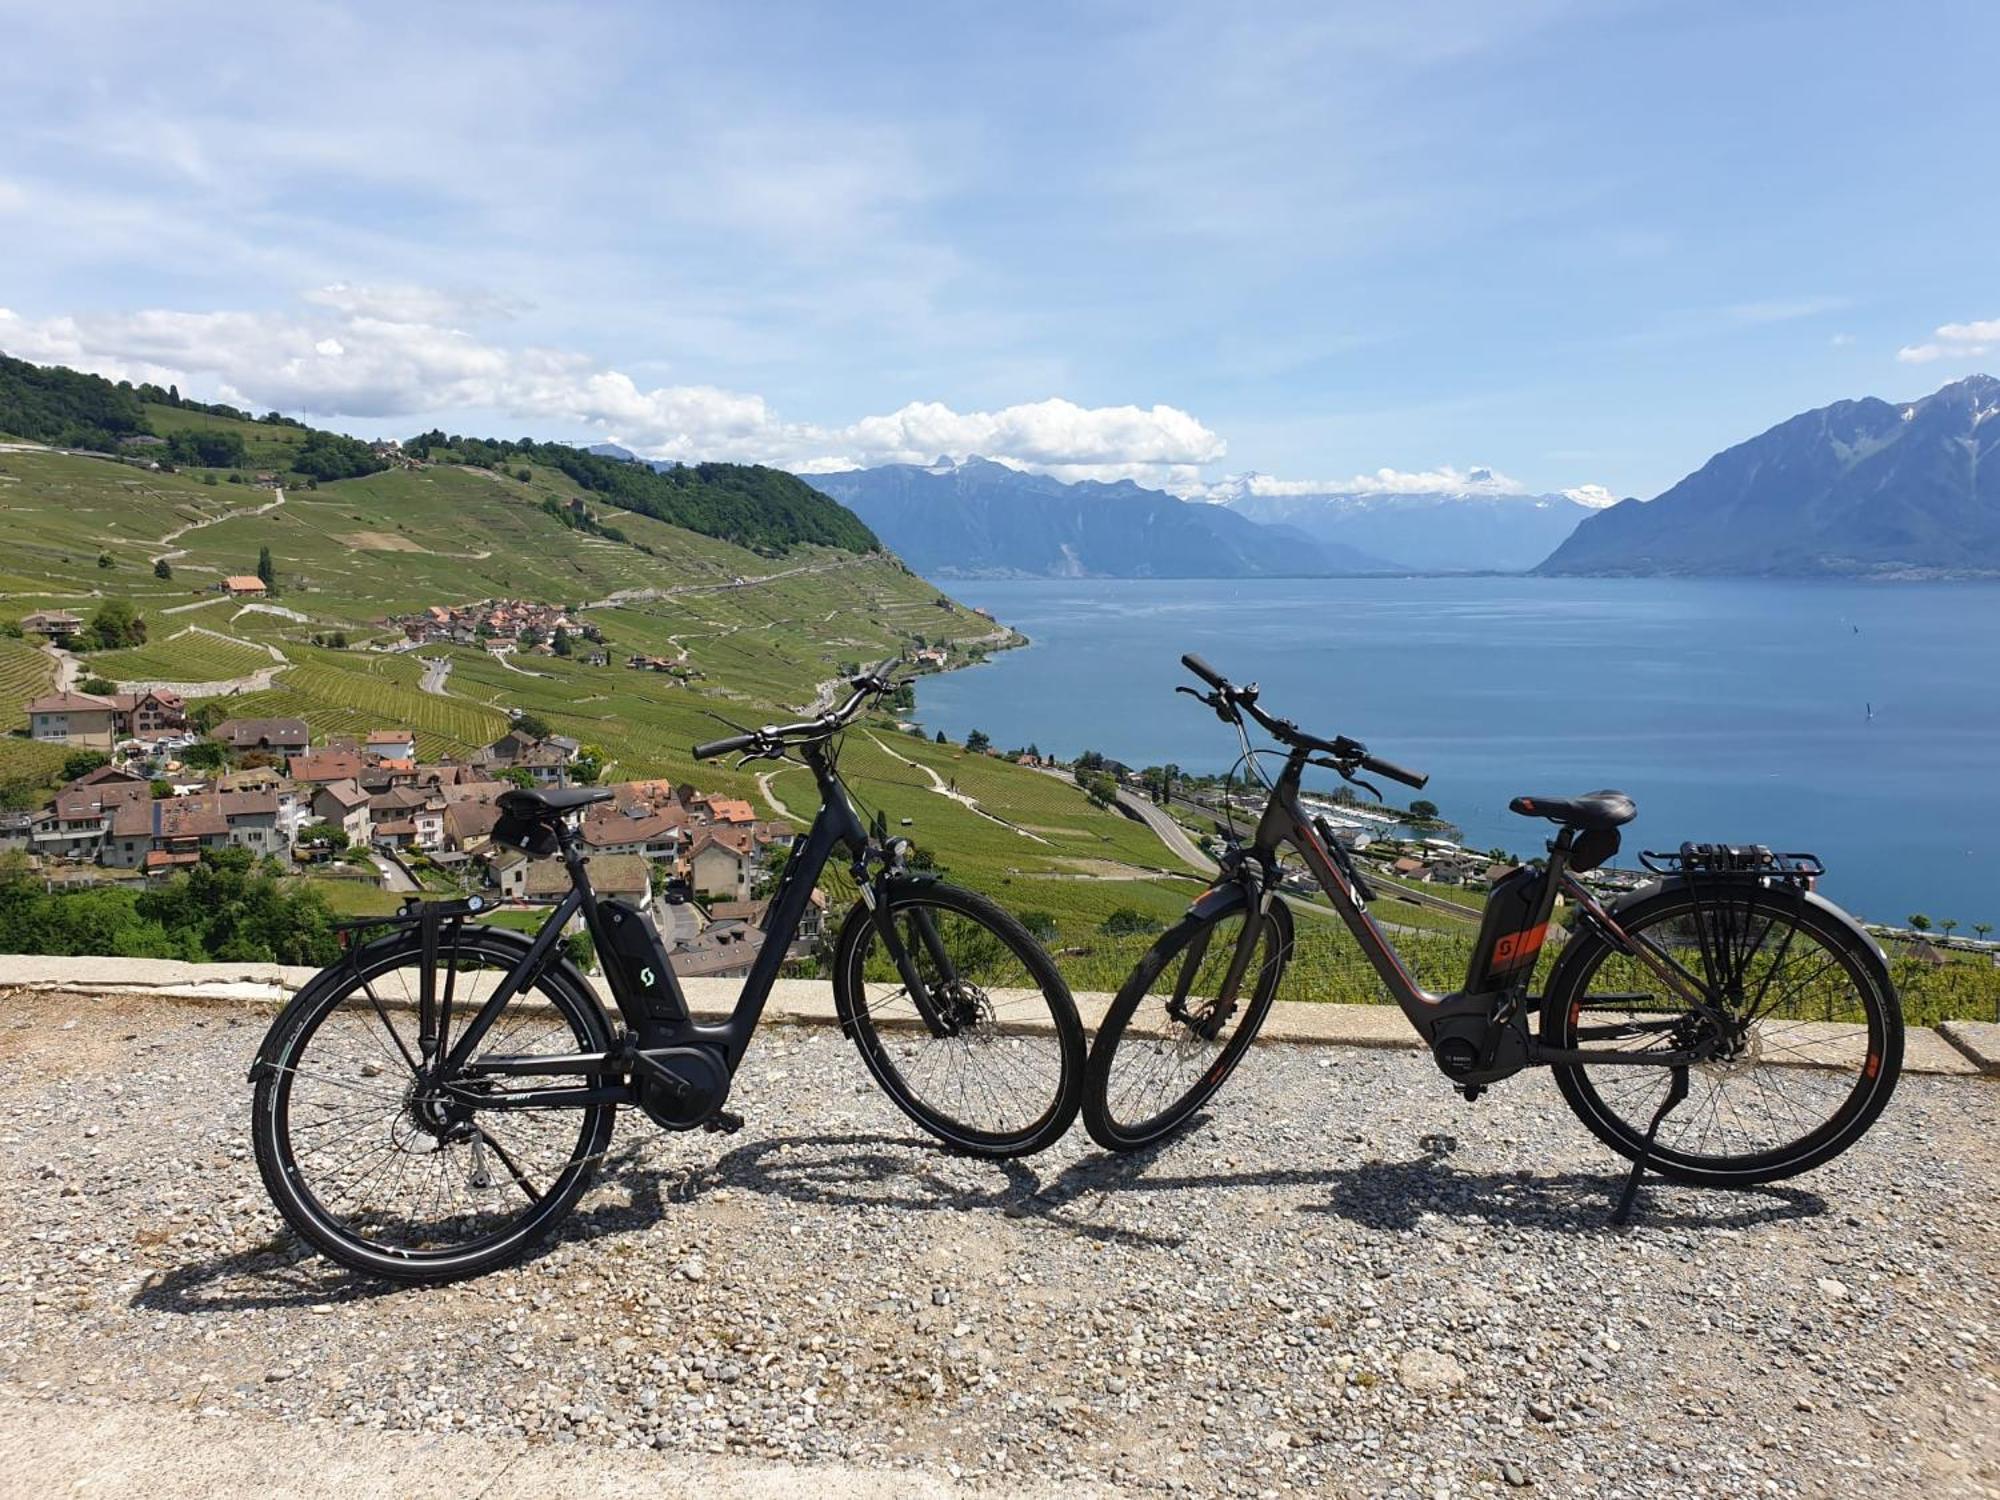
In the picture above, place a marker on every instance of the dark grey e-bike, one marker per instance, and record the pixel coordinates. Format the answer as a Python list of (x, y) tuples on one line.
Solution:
[(1725, 1025), (435, 1102)]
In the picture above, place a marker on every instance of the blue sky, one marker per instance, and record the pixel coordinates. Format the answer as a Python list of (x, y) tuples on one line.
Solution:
[(1580, 244)]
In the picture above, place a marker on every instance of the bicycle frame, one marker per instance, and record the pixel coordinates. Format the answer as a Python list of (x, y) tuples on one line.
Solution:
[(1285, 822), (660, 1024)]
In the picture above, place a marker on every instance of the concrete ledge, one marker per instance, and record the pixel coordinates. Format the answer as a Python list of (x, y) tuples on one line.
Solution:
[(1959, 1048), (1978, 1040)]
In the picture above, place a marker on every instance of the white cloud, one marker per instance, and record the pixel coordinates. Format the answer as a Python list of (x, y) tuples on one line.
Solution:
[(1973, 340), (383, 353), (1444, 479)]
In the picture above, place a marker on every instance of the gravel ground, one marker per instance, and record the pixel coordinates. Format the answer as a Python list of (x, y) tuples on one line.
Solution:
[(1346, 1278)]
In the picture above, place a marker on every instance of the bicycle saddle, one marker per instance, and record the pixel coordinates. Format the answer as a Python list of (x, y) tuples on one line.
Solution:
[(540, 803), (1592, 810)]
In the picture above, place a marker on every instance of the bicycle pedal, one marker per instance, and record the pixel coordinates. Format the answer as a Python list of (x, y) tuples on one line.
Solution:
[(723, 1122)]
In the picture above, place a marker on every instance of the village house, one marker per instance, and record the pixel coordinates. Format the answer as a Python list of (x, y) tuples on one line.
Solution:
[(57, 624), (392, 744), (406, 817), (544, 760), (152, 715), (280, 736), (651, 834), (243, 586), (717, 868), (322, 766), (76, 719), (162, 834), (344, 805), (79, 821)]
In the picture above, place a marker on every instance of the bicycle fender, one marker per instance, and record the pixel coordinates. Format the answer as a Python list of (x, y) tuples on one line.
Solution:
[(557, 967), (1218, 900), (1871, 951)]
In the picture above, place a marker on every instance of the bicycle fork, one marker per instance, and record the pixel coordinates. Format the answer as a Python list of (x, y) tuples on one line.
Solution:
[(920, 992)]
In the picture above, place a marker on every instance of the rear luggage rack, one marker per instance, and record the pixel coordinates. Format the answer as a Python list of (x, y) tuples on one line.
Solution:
[(1752, 861)]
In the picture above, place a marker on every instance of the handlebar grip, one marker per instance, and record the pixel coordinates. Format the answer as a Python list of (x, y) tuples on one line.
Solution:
[(723, 747), (1394, 772), (1204, 671)]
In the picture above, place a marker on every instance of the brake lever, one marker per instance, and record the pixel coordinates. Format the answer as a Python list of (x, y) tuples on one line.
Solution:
[(1347, 775)]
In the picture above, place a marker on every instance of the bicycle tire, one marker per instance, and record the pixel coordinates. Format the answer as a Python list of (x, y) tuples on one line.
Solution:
[(1101, 1111), (1872, 1046), (891, 1041), (281, 1158)]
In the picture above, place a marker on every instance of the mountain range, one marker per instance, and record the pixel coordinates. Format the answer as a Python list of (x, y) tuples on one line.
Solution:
[(1479, 527), (983, 519), (1866, 487)]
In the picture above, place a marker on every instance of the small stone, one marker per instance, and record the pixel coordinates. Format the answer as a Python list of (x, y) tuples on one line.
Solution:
[(278, 1373), (1832, 1290), (940, 1297), (692, 1269), (1541, 1411), (1804, 1403), (1426, 1372), (1513, 1473), (371, 1069)]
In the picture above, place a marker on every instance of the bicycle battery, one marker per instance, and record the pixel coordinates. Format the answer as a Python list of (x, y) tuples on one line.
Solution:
[(639, 960), (1511, 933)]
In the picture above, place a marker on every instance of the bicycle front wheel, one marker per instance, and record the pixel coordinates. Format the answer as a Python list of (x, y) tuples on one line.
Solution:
[(397, 1180), (987, 1053), (1176, 1030), (1805, 1058)]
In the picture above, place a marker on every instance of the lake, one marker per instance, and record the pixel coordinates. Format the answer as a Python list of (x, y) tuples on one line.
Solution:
[(1731, 710)]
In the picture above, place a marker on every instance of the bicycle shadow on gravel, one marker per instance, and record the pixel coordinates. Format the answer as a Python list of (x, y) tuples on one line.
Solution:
[(271, 1277), (857, 1170)]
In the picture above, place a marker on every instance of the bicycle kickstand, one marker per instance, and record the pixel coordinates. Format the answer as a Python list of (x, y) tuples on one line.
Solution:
[(1677, 1090)]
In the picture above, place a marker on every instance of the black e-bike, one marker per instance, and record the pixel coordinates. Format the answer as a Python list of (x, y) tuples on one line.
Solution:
[(432, 1104), (1724, 1025)]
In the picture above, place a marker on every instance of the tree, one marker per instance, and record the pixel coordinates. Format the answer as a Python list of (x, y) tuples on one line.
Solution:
[(1920, 922), (940, 737), (162, 570), (98, 685), (520, 776), (82, 762), (579, 950), (106, 560), (205, 755), (1982, 928), (207, 448), (1946, 924), (587, 767), (1424, 811), (161, 788), (265, 570), (533, 725), (338, 640), (559, 642), (115, 624), (978, 742)]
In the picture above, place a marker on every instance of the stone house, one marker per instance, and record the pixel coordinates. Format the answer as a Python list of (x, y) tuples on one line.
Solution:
[(76, 719)]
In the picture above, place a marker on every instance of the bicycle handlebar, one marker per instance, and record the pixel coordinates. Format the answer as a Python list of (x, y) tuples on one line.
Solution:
[(773, 738), (1231, 701)]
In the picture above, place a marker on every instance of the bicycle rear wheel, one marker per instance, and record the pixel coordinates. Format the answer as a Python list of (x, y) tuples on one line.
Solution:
[(1807, 1059), (1172, 1036), (393, 1180), (996, 1068)]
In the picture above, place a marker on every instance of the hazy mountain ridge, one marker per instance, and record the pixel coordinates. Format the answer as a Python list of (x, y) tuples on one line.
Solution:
[(1433, 531), (984, 519), (1858, 488)]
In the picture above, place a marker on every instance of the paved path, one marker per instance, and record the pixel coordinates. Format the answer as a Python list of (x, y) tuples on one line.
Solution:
[(394, 876), (943, 789), (436, 670), (1163, 826), (278, 499), (777, 806), (163, 1453)]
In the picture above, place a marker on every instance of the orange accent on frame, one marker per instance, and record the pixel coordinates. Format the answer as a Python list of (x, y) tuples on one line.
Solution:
[(1519, 947)]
